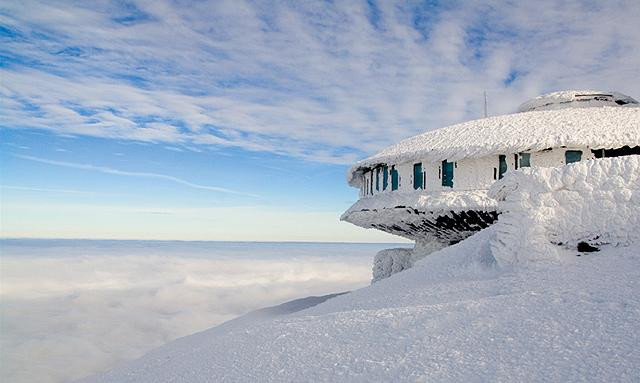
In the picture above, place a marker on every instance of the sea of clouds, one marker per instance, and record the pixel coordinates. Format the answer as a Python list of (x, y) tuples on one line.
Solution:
[(72, 308)]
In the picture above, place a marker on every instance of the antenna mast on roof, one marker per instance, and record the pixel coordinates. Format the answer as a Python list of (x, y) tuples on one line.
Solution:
[(485, 104)]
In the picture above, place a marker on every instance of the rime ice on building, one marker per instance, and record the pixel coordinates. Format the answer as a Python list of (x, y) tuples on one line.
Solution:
[(432, 188)]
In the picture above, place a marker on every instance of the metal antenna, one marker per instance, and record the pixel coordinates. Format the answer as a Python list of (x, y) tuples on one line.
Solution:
[(485, 104)]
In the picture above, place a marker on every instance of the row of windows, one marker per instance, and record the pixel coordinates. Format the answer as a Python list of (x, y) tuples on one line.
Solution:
[(382, 172), (379, 176), (419, 177)]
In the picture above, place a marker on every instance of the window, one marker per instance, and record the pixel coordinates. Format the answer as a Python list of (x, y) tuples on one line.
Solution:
[(515, 161), (525, 160), (417, 176), (447, 173), (394, 178), (571, 156), (377, 179), (502, 165), (385, 177)]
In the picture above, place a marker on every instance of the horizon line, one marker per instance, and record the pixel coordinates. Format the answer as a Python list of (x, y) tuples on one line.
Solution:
[(187, 240)]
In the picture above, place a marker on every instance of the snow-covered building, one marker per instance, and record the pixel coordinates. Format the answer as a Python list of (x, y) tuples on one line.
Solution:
[(432, 188)]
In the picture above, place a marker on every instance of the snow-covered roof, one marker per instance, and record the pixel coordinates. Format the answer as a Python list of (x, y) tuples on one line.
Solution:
[(598, 127), (576, 99)]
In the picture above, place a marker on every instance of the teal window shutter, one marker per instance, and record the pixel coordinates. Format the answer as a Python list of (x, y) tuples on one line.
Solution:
[(571, 156), (447, 173), (385, 177), (394, 178), (525, 160), (417, 176)]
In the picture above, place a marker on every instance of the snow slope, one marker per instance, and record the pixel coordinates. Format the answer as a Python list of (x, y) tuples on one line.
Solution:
[(460, 314), (453, 317)]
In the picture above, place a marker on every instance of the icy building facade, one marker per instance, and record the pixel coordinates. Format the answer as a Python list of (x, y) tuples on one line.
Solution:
[(433, 188)]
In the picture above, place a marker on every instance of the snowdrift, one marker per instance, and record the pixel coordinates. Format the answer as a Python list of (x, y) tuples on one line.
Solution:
[(547, 212)]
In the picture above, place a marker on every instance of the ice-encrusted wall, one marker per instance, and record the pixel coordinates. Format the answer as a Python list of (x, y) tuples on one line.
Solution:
[(547, 212)]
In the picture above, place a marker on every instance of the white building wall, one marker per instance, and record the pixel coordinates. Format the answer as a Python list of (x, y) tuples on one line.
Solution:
[(405, 177), (475, 173), (434, 182)]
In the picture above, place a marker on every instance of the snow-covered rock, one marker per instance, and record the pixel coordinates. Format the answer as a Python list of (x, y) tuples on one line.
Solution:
[(547, 212), (391, 261)]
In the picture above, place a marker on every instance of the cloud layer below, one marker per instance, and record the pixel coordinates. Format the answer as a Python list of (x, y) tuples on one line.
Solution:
[(321, 81), (73, 308)]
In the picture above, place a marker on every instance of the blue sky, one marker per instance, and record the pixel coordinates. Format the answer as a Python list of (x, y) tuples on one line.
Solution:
[(234, 120)]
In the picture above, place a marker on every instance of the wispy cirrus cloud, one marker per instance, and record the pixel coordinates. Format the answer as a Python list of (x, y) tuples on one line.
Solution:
[(117, 172), (45, 190), (319, 81)]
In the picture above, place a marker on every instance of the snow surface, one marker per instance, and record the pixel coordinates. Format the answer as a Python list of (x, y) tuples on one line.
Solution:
[(455, 316), (458, 315), (597, 127)]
